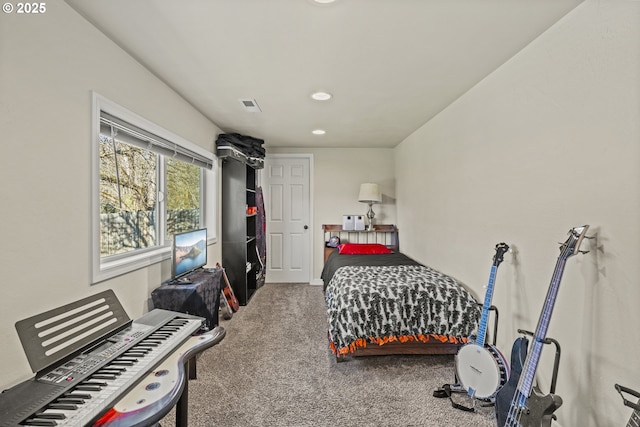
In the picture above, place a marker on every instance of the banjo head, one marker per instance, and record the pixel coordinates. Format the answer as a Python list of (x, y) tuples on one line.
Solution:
[(481, 371)]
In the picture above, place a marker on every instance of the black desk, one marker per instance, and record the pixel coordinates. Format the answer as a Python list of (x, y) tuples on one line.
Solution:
[(200, 297)]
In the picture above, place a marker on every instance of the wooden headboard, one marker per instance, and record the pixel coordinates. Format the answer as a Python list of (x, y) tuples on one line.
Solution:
[(386, 234)]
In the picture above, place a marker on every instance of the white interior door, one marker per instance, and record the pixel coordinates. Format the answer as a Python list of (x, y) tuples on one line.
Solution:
[(287, 207)]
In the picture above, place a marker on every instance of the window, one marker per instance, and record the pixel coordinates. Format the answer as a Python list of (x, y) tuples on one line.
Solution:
[(148, 185)]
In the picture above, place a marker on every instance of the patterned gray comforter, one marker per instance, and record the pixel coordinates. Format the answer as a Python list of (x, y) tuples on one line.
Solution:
[(402, 302)]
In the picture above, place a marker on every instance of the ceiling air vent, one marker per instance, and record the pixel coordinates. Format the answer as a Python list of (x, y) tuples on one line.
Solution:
[(250, 105)]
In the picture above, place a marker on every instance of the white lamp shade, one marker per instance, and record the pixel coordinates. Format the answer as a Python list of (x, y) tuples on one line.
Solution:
[(369, 192)]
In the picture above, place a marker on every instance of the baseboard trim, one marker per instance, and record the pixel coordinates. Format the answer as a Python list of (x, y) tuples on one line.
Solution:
[(314, 282)]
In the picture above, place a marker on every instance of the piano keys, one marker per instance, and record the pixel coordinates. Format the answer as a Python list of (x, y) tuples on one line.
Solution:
[(152, 398), (89, 386)]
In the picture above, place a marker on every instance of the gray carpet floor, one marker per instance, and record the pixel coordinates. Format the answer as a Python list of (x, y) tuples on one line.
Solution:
[(274, 368)]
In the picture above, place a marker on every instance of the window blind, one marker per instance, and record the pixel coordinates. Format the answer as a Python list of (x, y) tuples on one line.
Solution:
[(131, 134)]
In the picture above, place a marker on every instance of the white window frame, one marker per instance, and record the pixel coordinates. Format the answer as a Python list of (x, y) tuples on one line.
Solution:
[(124, 263)]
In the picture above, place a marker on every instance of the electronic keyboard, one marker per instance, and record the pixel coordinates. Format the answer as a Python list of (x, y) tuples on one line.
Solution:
[(94, 369)]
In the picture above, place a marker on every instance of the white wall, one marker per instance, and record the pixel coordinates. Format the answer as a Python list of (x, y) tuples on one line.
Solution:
[(338, 173), (549, 141), (49, 64)]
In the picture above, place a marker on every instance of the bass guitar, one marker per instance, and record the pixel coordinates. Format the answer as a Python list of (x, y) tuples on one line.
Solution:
[(634, 421), (519, 403), (480, 367)]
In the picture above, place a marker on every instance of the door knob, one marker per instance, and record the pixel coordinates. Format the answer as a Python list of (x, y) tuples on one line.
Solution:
[(306, 227)]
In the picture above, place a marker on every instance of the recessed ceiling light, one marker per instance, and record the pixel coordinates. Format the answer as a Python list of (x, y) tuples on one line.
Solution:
[(324, 1), (321, 96), (318, 132)]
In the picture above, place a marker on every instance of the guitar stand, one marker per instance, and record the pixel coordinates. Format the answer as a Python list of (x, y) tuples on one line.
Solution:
[(495, 322), (623, 389), (556, 361), (448, 389), (227, 312)]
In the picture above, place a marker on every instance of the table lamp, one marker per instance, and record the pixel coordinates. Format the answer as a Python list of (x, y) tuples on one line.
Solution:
[(370, 194)]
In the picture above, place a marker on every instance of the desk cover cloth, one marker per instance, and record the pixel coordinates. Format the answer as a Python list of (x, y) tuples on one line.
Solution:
[(200, 297)]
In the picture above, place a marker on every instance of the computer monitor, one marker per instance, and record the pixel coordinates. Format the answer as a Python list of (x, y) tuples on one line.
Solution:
[(189, 252)]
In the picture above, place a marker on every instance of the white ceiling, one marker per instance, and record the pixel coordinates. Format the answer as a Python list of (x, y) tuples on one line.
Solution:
[(391, 65)]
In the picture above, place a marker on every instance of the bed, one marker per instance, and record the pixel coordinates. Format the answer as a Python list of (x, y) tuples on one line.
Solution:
[(383, 302)]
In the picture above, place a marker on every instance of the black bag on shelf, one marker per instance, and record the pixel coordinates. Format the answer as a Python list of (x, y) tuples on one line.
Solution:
[(248, 145)]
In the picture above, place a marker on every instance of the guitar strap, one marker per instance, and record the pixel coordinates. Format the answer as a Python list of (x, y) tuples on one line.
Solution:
[(447, 390)]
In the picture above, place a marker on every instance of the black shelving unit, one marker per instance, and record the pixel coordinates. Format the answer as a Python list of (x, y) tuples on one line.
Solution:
[(239, 222)]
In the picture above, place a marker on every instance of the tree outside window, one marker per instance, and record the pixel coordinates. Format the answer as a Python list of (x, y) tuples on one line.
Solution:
[(129, 208)]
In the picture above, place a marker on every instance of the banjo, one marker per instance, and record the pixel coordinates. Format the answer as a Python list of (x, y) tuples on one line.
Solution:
[(480, 367)]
